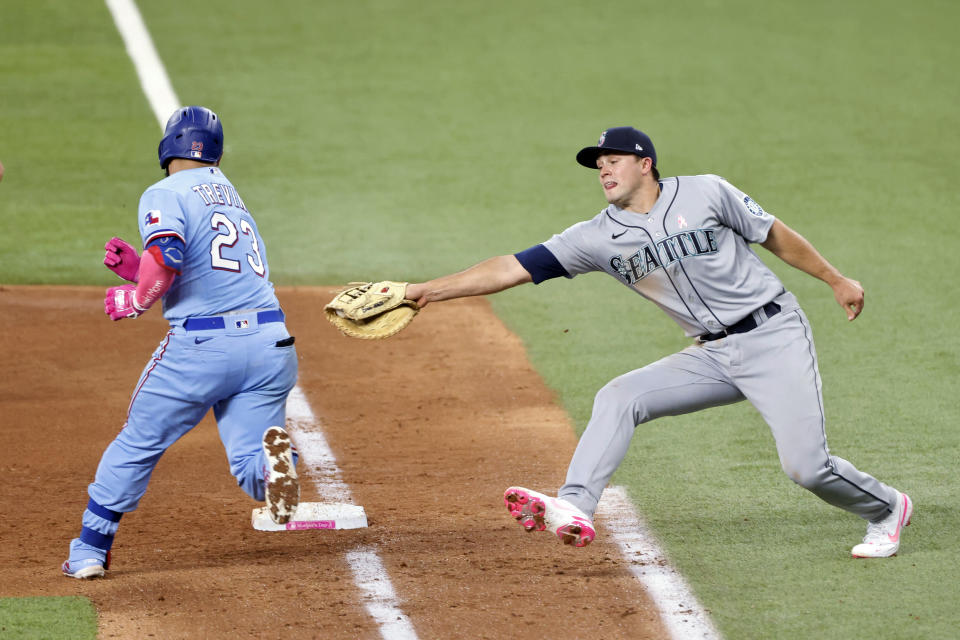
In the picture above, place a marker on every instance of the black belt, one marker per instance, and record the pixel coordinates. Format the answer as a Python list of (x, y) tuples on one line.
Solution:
[(747, 324), (217, 322)]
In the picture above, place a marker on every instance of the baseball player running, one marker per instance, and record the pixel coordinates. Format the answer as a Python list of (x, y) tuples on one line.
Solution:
[(227, 348), (684, 244)]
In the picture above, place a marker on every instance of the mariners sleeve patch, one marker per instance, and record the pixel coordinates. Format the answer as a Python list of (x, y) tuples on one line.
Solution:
[(152, 218), (752, 206)]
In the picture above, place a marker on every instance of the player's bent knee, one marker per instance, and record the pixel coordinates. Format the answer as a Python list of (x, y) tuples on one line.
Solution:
[(614, 400), (810, 478)]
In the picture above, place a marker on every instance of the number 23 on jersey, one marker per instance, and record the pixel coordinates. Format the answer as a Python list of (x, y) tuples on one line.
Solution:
[(227, 238)]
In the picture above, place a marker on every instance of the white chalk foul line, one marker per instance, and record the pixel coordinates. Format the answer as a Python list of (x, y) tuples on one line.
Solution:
[(323, 468), (369, 574), (153, 76), (379, 598), (683, 616)]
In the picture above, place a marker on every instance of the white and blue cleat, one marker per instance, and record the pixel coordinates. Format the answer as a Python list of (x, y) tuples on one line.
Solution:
[(86, 569)]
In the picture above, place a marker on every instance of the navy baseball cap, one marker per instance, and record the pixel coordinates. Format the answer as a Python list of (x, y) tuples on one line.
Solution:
[(622, 139)]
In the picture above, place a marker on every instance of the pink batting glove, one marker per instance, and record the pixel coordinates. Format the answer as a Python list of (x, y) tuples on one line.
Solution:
[(122, 259), (121, 302)]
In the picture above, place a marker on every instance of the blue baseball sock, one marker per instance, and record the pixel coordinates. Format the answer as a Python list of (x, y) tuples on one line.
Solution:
[(96, 537)]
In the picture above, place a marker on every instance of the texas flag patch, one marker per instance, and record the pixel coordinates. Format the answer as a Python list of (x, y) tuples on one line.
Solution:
[(152, 218)]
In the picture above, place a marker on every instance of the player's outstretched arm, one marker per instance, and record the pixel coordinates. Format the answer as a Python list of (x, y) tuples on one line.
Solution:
[(795, 250), (490, 276)]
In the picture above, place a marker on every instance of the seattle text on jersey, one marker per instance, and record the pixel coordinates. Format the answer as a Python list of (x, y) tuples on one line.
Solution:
[(664, 252)]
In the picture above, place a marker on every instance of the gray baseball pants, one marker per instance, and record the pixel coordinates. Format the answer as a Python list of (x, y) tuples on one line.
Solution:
[(774, 366)]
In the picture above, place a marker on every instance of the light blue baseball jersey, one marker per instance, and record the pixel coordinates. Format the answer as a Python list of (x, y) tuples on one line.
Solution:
[(225, 262), (690, 254)]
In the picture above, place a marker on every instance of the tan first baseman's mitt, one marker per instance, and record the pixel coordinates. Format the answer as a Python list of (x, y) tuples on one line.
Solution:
[(371, 310)]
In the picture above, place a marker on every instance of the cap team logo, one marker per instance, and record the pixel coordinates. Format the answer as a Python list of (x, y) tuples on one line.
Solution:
[(752, 206), (196, 149), (152, 218), (603, 137)]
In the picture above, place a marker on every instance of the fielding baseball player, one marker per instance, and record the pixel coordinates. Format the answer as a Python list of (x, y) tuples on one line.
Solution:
[(227, 348), (684, 244)]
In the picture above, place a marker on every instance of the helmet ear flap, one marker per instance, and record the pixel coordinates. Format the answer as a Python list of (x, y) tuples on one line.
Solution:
[(193, 133)]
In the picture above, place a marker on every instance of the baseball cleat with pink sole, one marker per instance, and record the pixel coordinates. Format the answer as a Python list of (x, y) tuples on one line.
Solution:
[(538, 512)]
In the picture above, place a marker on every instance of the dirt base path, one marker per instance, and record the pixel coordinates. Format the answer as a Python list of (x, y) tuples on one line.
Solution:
[(428, 428)]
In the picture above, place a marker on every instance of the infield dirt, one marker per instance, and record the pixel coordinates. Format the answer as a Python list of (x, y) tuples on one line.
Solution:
[(428, 428)]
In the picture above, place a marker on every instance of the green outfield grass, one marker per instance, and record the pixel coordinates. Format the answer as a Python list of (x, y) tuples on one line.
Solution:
[(47, 618), (381, 139)]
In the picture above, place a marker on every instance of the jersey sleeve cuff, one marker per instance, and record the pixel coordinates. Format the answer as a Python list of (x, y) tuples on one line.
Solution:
[(541, 264), (765, 232), (168, 252), (157, 235)]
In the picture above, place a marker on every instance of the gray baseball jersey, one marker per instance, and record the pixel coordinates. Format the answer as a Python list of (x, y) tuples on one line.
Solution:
[(690, 254)]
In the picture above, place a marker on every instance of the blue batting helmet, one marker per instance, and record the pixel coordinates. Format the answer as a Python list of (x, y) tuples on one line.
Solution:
[(194, 133)]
